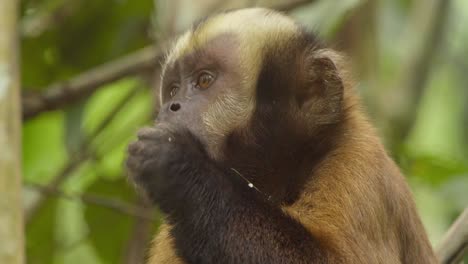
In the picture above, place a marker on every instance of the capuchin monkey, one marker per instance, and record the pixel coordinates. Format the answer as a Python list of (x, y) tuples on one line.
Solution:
[(261, 154)]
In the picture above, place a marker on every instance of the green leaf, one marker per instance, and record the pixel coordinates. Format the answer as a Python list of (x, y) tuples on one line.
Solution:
[(40, 235), (434, 169), (109, 229), (43, 147)]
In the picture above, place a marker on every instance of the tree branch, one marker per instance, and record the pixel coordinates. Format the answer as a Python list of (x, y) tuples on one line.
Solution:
[(114, 204), (455, 242), (61, 94), (11, 215)]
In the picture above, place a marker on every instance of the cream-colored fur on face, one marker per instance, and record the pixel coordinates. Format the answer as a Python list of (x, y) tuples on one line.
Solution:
[(256, 27), (256, 30)]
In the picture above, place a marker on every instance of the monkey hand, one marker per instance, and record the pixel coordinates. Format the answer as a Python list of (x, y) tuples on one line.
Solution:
[(161, 161)]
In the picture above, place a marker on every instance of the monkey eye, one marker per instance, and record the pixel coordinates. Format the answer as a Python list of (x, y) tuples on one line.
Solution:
[(204, 80), (174, 90)]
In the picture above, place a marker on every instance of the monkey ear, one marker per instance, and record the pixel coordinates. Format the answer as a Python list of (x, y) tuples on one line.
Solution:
[(321, 92)]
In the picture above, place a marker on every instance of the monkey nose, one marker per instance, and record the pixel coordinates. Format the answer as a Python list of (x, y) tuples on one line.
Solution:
[(174, 107), (167, 111)]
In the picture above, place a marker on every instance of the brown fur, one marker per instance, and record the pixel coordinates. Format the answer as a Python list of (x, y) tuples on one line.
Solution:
[(355, 202)]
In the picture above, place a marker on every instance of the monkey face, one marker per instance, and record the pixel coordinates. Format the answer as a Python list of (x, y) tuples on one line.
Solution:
[(203, 91)]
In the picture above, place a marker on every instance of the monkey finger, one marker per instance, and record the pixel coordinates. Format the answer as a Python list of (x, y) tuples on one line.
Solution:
[(150, 150), (149, 133), (135, 148), (155, 133), (133, 164)]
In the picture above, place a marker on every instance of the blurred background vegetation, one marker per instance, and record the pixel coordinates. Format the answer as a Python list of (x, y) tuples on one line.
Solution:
[(89, 75)]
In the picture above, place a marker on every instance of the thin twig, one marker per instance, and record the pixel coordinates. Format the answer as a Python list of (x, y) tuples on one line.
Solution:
[(111, 203), (455, 242), (57, 180)]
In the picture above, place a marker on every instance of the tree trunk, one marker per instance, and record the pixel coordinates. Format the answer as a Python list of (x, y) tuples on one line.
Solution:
[(11, 220)]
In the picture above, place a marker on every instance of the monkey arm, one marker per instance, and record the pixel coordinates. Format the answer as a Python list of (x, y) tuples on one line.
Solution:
[(222, 220), (216, 217)]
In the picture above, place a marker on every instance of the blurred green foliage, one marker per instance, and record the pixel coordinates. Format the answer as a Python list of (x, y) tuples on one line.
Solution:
[(61, 38)]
